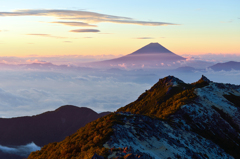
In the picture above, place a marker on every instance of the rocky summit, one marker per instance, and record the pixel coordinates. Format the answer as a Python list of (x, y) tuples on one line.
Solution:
[(171, 120)]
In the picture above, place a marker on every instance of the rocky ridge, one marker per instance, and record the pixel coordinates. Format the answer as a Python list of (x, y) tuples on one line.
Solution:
[(198, 120)]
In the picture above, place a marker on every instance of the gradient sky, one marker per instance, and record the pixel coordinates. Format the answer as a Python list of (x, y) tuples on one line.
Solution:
[(94, 27)]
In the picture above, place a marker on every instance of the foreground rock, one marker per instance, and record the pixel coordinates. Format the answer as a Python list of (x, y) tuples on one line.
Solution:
[(171, 120)]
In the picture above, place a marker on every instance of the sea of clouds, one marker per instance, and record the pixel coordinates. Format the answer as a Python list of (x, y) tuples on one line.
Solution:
[(23, 150), (31, 92), (26, 93)]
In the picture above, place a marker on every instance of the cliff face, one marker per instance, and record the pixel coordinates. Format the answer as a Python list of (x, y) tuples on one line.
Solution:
[(171, 120)]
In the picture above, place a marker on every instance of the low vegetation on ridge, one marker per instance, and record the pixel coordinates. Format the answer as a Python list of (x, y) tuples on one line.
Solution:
[(162, 100), (82, 144)]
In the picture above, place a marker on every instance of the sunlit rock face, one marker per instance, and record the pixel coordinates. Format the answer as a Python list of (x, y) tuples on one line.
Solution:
[(173, 119), (207, 127)]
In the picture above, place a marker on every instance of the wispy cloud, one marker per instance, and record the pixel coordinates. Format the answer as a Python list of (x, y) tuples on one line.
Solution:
[(86, 16), (48, 35), (78, 24), (23, 150), (122, 65), (213, 57), (85, 31), (230, 21), (141, 22), (36, 61), (144, 38)]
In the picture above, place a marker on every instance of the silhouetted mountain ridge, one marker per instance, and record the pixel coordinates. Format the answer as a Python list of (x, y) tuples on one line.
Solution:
[(227, 66), (152, 55), (47, 127), (152, 48)]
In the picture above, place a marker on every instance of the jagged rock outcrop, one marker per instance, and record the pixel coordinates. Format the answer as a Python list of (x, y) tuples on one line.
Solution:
[(163, 139), (205, 79), (171, 120), (95, 156)]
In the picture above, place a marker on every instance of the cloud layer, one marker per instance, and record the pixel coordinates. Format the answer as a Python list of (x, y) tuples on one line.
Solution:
[(23, 151), (143, 38), (77, 59), (85, 31), (85, 17), (32, 92), (214, 57), (59, 60), (48, 35), (78, 24)]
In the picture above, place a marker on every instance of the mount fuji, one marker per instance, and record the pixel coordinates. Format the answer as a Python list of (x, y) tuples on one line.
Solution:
[(152, 55)]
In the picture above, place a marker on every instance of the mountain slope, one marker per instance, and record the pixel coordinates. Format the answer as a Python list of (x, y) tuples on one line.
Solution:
[(151, 55), (152, 48), (227, 66), (46, 127), (171, 120), (164, 98)]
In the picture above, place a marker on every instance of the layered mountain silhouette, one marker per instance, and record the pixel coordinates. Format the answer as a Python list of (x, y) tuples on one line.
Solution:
[(47, 66), (151, 55), (173, 119), (227, 66), (47, 127)]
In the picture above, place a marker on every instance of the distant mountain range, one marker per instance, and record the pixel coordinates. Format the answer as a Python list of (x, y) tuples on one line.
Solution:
[(152, 55), (48, 66), (227, 66), (52, 126), (47, 127), (173, 119)]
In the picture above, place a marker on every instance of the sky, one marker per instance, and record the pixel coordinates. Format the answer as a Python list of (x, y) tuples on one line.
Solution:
[(113, 28)]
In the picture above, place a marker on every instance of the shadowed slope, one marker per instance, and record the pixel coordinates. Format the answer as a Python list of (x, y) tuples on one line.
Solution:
[(46, 127)]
